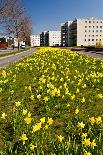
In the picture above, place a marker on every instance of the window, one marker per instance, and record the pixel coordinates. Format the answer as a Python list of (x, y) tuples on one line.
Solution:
[(85, 40), (97, 26), (88, 39), (89, 21), (96, 30), (93, 21), (89, 26), (93, 30), (101, 21), (89, 30), (85, 21), (100, 30), (100, 26), (92, 35), (85, 31), (85, 26), (93, 26), (92, 39), (85, 35), (97, 21)]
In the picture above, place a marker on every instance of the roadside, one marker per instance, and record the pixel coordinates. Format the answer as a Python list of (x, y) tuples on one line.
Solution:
[(10, 59)]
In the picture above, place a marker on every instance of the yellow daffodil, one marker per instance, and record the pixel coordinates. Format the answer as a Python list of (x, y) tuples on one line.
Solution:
[(36, 127), (83, 100), (3, 116), (53, 92), (68, 105), (98, 120), (93, 144), (24, 138), (42, 120), (24, 111), (0, 89), (28, 120), (32, 147), (92, 120), (50, 121), (29, 88), (60, 138), (18, 103), (77, 111), (86, 142), (81, 125), (84, 135), (4, 74), (32, 97), (99, 96), (46, 126), (29, 114), (66, 91), (46, 98), (77, 91), (87, 153), (39, 96), (73, 97)]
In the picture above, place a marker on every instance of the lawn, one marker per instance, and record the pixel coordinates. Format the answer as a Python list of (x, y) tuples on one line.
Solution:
[(51, 103)]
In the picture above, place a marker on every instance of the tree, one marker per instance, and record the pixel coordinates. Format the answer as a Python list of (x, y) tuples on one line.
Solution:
[(14, 19), (99, 43), (26, 29)]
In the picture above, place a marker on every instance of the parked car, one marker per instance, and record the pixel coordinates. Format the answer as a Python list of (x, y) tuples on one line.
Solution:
[(22, 46)]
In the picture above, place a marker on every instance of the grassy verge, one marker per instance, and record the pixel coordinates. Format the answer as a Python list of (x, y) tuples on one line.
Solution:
[(11, 53), (52, 104)]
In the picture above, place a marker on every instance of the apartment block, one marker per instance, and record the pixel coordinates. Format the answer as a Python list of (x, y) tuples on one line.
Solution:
[(64, 33), (53, 38), (42, 38), (35, 40), (86, 32)]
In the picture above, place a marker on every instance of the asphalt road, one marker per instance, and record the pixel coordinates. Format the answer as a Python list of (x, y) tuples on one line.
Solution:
[(90, 53), (7, 60)]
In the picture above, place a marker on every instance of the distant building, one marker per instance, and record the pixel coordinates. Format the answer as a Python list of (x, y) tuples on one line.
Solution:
[(35, 40), (64, 33), (86, 32), (42, 38), (53, 38)]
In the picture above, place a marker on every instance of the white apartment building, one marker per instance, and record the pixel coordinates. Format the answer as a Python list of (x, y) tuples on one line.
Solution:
[(53, 38), (35, 40), (86, 32)]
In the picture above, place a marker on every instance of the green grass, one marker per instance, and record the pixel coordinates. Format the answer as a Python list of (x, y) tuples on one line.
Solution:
[(65, 79)]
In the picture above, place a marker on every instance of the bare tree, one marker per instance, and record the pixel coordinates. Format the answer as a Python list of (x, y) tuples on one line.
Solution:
[(26, 28), (14, 19)]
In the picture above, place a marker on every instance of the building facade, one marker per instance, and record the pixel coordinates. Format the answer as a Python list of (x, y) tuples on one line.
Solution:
[(42, 38), (86, 32), (53, 38), (64, 33), (35, 40)]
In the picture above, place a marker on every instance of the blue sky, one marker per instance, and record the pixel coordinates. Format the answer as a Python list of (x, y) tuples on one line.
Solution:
[(48, 14)]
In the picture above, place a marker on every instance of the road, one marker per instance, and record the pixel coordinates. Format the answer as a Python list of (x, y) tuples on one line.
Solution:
[(90, 53), (7, 60)]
